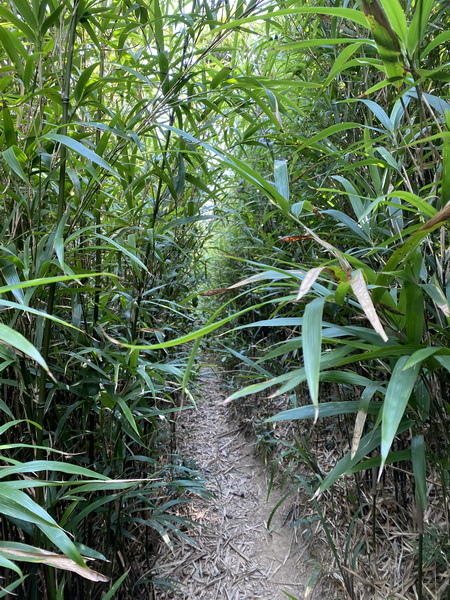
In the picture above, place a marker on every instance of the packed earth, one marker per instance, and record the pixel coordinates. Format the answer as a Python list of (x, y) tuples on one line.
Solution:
[(236, 556)]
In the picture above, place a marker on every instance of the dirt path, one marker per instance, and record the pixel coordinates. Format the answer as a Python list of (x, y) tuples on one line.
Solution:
[(237, 557)]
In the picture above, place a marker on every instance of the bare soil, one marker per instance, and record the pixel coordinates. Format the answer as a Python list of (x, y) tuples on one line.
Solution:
[(237, 557)]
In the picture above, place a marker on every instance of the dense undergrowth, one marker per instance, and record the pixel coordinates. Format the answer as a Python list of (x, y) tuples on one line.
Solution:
[(151, 150), (350, 289)]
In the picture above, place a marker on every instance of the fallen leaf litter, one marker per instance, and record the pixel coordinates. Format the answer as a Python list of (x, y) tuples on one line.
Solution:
[(237, 557)]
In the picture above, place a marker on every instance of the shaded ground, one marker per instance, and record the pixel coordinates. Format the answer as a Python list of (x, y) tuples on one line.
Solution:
[(237, 557)]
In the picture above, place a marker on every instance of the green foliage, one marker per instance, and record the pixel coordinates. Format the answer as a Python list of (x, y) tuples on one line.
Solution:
[(362, 160), (108, 113), (316, 140)]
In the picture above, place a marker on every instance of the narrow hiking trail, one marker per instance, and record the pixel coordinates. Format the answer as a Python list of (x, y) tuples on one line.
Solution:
[(237, 557)]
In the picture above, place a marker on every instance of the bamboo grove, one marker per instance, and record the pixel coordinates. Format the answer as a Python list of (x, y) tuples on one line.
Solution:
[(293, 154)]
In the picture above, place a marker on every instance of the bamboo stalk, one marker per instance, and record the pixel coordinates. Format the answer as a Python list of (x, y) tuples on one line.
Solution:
[(59, 215)]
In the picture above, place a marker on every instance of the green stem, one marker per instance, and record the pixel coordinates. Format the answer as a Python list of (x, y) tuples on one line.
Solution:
[(59, 215), (49, 573), (420, 569), (150, 248), (98, 252)]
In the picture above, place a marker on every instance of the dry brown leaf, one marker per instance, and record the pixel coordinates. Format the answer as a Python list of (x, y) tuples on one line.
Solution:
[(59, 561), (360, 290), (308, 282), (214, 292), (442, 216), (358, 430)]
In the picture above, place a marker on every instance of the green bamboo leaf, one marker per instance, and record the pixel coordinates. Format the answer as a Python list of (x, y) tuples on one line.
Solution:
[(35, 466), (379, 113), (125, 251), (396, 17), (332, 130), (269, 274), (190, 336), (52, 19), (439, 104), (347, 464), (111, 593), (326, 409), (58, 240), (83, 80), (297, 376), (417, 29), (420, 356), (342, 61), (80, 487), (14, 49), (17, 22), (375, 461), (82, 150), (47, 280), (25, 8), (281, 176), (11, 277), (240, 167), (248, 361), (220, 76), (445, 185), (436, 293), (387, 29), (353, 195), (8, 127), (349, 222), (157, 25), (18, 505), (398, 392), (400, 254), (343, 13), (312, 338), (444, 361), (415, 319), (11, 157), (442, 38), (10, 424), (19, 342), (415, 201), (322, 42), (127, 413), (268, 108), (328, 360), (6, 563), (419, 469), (259, 387)]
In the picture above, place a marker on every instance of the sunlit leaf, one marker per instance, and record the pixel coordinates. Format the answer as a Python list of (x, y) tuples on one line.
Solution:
[(312, 338), (400, 387)]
